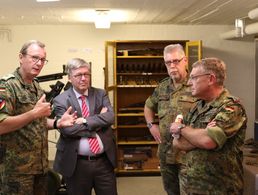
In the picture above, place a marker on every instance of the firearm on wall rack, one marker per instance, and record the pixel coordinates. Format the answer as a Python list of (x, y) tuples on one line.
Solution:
[(51, 77), (57, 87)]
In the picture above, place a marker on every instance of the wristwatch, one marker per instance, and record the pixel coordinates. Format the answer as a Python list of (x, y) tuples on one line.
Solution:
[(149, 124), (178, 133), (84, 121), (179, 128)]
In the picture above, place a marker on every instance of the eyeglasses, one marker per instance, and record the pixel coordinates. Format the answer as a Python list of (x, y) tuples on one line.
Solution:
[(79, 76), (194, 77), (175, 61), (36, 59)]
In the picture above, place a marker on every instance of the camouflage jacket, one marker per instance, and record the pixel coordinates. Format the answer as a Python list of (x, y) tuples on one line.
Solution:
[(217, 171), (168, 102), (26, 148)]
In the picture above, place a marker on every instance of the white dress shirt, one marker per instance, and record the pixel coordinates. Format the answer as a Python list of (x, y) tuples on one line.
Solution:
[(84, 147)]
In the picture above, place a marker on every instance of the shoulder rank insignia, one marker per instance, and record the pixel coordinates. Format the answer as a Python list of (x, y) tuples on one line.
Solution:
[(7, 77)]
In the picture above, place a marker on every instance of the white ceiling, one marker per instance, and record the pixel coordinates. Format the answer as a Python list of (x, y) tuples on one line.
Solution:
[(136, 11)]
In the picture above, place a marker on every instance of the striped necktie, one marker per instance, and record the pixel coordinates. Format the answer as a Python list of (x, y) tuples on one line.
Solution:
[(93, 141)]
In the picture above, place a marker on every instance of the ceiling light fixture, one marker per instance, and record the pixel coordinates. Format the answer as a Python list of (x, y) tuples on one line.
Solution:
[(102, 19)]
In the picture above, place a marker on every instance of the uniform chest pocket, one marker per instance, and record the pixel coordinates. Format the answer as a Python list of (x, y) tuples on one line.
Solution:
[(185, 103), (163, 101), (204, 119), (25, 102), (163, 105), (186, 99), (27, 98)]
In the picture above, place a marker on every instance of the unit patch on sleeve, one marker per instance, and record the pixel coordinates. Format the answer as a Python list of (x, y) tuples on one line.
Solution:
[(228, 108), (2, 103)]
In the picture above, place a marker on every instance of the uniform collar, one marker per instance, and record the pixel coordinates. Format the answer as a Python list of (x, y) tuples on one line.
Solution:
[(184, 83), (18, 75), (216, 102)]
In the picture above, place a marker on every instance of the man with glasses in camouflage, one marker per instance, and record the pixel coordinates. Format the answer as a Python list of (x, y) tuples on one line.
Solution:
[(24, 124), (169, 99), (213, 134)]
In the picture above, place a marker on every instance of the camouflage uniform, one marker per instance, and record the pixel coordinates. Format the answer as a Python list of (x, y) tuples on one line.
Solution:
[(26, 148), (168, 102), (218, 171)]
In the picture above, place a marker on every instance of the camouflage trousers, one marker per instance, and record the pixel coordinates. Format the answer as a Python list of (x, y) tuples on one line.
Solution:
[(211, 189), (23, 185), (169, 173)]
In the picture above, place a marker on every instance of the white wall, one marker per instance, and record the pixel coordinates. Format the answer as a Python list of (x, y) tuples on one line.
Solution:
[(67, 41)]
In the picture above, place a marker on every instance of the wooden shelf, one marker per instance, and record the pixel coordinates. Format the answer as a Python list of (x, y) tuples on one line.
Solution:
[(137, 143), (142, 74), (136, 86), (127, 57), (131, 126), (133, 69), (130, 114)]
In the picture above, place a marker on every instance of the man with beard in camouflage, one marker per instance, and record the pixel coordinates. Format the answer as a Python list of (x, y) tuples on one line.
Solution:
[(171, 97)]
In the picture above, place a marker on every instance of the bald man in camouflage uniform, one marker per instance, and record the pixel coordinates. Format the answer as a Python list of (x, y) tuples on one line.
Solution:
[(213, 135), (170, 98), (24, 124)]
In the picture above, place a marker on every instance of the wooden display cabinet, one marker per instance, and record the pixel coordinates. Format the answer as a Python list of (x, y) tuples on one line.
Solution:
[(133, 69)]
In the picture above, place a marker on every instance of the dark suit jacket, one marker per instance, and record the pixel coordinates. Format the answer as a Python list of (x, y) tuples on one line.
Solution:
[(68, 143)]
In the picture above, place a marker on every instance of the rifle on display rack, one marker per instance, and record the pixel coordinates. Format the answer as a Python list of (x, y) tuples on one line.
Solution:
[(51, 77), (57, 87)]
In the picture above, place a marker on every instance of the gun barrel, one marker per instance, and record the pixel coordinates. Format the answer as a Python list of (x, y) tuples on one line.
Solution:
[(50, 77)]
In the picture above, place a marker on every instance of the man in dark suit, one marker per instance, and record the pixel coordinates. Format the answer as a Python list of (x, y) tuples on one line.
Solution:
[(86, 152)]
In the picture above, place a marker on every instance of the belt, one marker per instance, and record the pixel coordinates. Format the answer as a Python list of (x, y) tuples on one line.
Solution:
[(91, 158)]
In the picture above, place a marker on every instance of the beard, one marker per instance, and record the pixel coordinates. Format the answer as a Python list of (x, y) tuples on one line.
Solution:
[(175, 76)]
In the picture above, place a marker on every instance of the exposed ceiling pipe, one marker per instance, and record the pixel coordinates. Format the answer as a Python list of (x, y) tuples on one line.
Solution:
[(253, 14), (249, 30), (228, 35)]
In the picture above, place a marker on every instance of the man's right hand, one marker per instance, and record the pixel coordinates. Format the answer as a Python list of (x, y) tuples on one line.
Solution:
[(154, 130), (68, 118), (42, 108)]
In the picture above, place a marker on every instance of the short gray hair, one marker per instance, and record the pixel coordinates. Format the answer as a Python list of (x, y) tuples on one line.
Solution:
[(174, 47), (215, 66), (26, 45), (76, 63)]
